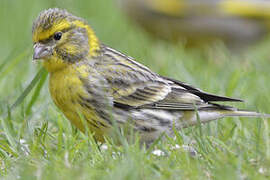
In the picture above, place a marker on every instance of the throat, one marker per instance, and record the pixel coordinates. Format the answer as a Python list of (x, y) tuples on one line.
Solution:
[(54, 64)]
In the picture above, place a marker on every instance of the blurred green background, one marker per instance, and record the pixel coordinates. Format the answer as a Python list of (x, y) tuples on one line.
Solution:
[(37, 142)]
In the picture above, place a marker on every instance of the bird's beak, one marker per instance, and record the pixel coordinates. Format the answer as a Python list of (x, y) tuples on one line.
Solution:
[(41, 51)]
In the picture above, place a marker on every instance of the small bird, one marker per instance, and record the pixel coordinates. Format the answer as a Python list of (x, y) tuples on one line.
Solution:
[(97, 86), (202, 22)]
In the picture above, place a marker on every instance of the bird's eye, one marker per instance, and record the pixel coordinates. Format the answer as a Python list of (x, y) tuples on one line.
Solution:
[(57, 36)]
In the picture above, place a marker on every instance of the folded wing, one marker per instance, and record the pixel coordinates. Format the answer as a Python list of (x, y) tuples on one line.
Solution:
[(135, 86)]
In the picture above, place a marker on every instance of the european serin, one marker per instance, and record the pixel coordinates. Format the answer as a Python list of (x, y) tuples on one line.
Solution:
[(238, 23), (91, 81)]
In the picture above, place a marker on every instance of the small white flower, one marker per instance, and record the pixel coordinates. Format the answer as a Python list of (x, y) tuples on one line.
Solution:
[(186, 148), (158, 152), (104, 147), (262, 170), (115, 154), (24, 146), (176, 147)]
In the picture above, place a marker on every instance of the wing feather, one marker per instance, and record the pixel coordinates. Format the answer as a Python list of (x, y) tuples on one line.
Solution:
[(133, 85)]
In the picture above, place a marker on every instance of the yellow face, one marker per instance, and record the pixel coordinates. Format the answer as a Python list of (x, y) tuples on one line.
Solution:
[(60, 39)]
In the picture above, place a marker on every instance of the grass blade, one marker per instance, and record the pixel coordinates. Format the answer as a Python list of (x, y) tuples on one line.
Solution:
[(37, 92), (12, 63), (40, 73), (7, 131)]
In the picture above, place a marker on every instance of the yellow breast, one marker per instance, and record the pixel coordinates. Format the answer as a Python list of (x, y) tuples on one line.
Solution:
[(66, 89)]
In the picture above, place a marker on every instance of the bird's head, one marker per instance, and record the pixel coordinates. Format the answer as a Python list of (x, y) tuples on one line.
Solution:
[(61, 38)]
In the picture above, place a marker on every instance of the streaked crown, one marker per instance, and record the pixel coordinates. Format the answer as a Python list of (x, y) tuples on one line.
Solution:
[(47, 19)]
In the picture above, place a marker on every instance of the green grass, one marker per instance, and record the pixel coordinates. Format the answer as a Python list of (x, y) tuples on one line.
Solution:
[(37, 142)]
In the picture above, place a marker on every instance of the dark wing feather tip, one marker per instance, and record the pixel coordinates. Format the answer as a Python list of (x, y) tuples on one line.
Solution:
[(207, 97)]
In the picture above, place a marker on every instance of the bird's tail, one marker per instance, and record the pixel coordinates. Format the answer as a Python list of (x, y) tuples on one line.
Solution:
[(244, 113), (207, 116)]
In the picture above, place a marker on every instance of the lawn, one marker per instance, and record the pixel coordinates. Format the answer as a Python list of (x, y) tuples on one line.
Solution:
[(38, 142)]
